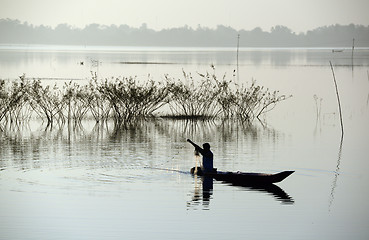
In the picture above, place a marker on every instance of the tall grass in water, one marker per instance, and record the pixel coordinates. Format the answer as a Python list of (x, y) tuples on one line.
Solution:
[(128, 100), (210, 97), (46, 102), (193, 99), (12, 100), (250, 102)]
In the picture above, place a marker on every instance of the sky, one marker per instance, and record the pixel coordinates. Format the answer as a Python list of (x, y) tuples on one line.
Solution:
[(298, 15)]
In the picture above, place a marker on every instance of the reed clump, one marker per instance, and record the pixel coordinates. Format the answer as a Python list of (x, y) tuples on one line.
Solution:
[(130, 100), (127, 100), (210, 97), (193, 99), (45, 101), (13, 100), (251, 102)]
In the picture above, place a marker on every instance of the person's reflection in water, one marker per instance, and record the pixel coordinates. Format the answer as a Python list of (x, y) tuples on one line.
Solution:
[(207, 190), (204, 195)]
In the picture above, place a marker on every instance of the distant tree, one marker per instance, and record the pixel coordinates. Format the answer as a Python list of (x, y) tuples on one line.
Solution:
[(143, 27), (282, 36), (15, 32)]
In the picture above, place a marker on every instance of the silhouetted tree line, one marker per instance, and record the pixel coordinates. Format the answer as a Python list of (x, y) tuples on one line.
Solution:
[(15, 32)]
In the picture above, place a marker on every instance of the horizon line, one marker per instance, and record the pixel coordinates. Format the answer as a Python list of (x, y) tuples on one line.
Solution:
[(185, 26)]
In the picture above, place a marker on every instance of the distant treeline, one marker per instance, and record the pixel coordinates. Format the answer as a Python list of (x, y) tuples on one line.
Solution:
[(15, 32)]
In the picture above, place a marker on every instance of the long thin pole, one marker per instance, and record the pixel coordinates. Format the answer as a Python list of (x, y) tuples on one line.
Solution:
[(238, 46), (352, 53), (338, 98)]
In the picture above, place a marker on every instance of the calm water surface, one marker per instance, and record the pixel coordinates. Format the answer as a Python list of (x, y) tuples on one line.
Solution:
[(97, 182)]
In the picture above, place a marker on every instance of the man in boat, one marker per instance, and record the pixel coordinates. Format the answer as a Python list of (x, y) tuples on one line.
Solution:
[(207, 156)]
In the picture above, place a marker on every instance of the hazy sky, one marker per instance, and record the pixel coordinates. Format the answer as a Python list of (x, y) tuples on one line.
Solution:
[(299, 15)]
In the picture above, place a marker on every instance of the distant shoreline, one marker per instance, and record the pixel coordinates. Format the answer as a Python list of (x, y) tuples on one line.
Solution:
[(333, 36), (98, 48)]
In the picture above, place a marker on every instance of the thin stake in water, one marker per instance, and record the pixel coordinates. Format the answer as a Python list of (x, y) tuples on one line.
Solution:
[(338, 99)]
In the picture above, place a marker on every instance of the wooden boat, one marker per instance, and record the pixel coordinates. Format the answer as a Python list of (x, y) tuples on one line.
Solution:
[(337, 50), (242, 178)]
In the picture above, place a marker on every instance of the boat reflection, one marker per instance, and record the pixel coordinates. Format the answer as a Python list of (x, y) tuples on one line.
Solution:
[(272, 189), (203, 192)]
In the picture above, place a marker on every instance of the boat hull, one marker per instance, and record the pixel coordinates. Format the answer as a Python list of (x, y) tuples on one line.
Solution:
[(243, 178)]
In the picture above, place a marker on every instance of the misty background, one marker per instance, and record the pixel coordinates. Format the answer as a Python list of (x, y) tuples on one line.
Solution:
[(17, 32)]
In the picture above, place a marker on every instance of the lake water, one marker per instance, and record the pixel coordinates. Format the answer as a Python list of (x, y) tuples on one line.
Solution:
[(97, 182)]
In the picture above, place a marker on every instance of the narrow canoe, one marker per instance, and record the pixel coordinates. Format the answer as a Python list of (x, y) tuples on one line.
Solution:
[(244, 178)]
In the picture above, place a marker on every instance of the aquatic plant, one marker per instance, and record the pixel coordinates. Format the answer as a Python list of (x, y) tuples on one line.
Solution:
[(249, 102), (215, 98), (46, 102), (190, 99), (318, 106), (98, 103), (77, 99), (128, 100), (131, 100), (13, 99)]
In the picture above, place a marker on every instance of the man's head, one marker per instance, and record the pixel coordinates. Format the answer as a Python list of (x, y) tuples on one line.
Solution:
[(206, 146)]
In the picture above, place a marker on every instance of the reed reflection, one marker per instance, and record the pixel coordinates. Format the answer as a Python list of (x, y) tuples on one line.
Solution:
[(35, 140), (104, 145), (216, 130)]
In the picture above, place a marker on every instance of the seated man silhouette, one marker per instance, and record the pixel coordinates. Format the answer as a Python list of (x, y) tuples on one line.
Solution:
[(207, 156)]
